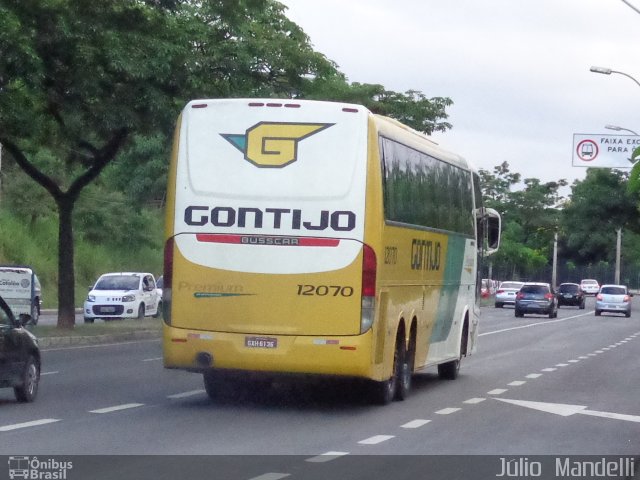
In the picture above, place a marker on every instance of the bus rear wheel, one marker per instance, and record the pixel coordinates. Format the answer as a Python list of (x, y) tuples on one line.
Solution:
[(386, 391)]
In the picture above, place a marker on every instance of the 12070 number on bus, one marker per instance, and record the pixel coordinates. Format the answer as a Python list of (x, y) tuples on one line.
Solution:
[(325, 290)]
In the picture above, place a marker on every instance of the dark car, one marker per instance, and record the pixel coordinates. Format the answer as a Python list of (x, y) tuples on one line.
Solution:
[(536, 298), (570, 294), (19, 355)]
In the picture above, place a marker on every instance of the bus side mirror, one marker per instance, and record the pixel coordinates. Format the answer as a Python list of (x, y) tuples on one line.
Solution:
[(493, 228)]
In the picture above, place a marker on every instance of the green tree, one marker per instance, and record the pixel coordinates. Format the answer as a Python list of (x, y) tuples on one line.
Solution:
[(634, 175), (530, 217), (599, 205), (85, 83), (412, 107), (76, 79)]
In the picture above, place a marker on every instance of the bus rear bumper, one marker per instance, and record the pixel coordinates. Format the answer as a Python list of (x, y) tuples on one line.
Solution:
[(194, 350)]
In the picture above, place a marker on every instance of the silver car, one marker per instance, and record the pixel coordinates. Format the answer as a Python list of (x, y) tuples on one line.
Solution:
[(506, 293), (613, 298)]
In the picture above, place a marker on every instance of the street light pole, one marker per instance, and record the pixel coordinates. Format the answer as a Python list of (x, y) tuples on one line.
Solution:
[(617, 129), (608, 71), (630, 6)]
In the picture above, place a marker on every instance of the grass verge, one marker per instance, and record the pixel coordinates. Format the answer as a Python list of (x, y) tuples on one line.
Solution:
[(99, 328)]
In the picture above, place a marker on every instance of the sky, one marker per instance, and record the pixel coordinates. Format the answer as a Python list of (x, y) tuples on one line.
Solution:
[(516, 70)]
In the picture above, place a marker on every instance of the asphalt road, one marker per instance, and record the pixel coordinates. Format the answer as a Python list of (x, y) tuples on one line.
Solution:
[(536, 386)]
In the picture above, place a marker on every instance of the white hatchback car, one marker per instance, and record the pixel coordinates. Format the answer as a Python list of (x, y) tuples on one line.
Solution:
[(122, 295), (589, 286)]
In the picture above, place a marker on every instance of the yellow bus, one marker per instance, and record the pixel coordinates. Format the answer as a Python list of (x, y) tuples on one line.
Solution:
[(318, 238)]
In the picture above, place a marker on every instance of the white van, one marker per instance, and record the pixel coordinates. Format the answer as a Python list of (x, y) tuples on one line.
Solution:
[(20, 288)]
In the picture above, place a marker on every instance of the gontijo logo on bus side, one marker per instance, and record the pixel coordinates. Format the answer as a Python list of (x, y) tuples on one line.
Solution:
[(272, 144)]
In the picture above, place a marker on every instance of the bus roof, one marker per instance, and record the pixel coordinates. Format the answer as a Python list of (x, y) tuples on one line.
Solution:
[(392, 128)]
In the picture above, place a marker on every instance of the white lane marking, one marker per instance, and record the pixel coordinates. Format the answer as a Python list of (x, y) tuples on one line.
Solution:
[(33, 423), (497, 391), (574, 361), (152, 359), (326, 457), (562, 365), (535, 324), (592, 354), (376, 439), (534, 375), (565, 410), (548, 370), (448, 411), (415, 423), (517, 383), (271, 476), (186, 394), (473, 401), (49, 373), (582, 357), (117, 408), (599, 351)]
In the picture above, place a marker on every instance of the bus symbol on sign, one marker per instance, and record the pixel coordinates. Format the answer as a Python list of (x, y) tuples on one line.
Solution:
[(587, 150)]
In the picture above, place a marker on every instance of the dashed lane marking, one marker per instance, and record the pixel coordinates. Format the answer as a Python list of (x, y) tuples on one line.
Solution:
[(473, 401), (326, 457), (448, 411), (376, 439), (116, 408), (517, 383), (33, 423), (497, 391), (271, 476), (534, 375), (415, 423), (187, 394)]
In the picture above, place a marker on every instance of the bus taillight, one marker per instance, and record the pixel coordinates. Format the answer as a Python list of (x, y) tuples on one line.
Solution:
[(168, 280), (369, 270)]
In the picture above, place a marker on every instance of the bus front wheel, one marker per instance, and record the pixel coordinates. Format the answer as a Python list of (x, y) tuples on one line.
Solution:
[(450, 370)]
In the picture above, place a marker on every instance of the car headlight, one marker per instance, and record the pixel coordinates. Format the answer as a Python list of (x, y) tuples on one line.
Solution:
[(128, 298), (91, 298)]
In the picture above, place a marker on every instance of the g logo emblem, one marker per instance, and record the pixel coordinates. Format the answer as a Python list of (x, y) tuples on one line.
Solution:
[(273, 145)]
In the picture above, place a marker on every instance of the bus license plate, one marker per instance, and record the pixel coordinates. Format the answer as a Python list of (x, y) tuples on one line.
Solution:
[(260, 342)]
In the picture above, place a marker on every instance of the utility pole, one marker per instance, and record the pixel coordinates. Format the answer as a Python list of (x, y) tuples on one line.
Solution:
[(618, 248), (554, 272)]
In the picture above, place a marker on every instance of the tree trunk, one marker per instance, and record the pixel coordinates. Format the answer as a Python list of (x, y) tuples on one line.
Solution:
[(66, 272)]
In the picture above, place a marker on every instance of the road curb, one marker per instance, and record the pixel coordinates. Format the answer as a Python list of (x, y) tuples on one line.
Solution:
[(73, 341)]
